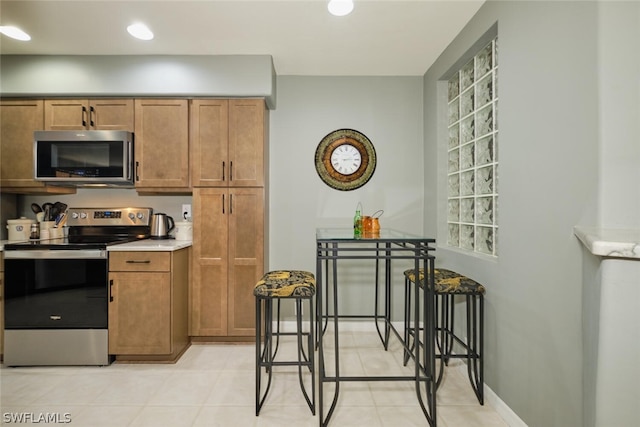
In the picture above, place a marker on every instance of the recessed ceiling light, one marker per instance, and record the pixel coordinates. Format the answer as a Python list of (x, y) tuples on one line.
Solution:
[(15, 33), (340, 7), (140, 31)]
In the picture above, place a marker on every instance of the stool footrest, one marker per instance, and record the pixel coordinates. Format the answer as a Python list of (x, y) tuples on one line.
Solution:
[(284, 363), (289, 334)]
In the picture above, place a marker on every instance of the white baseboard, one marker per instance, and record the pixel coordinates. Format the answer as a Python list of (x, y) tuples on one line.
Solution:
[(493, 400)]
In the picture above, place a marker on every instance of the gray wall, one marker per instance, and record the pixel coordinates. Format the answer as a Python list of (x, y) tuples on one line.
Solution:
[(619, 93), (388, 110), (568, 119)]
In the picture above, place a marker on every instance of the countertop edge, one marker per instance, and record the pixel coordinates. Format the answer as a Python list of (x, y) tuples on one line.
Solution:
[(610, 242), (139, 245), (151, 245)]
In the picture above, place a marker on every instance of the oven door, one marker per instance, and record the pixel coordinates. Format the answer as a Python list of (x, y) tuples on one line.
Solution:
[(56, 308), (56, 289)]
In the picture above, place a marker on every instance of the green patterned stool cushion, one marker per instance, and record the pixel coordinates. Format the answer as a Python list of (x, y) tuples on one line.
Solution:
[(286, 284), (448, 282)]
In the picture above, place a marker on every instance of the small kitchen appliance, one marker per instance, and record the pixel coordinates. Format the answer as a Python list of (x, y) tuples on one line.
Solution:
[(57, 291), (161, 226), (84, 158)]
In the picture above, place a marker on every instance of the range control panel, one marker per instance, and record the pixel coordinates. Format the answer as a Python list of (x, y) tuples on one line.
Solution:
[(108, 216)]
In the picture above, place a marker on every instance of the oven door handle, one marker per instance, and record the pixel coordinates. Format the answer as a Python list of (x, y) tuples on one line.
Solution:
[(57, 254)]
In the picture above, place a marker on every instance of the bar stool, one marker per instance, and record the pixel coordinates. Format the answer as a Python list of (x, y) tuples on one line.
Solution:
[(279, 285), (449, 284)]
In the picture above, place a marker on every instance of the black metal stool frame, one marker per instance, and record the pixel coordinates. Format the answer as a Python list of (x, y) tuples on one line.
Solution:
[(445, 313), (265, 353)]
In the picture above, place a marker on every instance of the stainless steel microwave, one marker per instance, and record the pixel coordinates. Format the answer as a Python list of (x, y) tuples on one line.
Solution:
[(84, 158)]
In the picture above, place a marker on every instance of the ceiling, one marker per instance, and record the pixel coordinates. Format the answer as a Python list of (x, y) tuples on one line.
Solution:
[(379, 38)]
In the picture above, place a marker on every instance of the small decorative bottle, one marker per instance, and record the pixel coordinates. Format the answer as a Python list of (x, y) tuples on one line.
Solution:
[(357, 225), (34, 231)]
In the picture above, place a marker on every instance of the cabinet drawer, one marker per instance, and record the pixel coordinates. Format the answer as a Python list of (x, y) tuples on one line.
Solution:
[(139, 261)]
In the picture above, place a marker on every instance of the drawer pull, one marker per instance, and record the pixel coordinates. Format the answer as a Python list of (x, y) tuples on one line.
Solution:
[(133, 261)]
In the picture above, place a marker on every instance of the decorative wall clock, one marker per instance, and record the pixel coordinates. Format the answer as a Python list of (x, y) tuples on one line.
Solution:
[(345, 159)]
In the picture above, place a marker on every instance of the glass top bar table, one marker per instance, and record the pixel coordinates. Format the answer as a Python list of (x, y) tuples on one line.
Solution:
[(339, 244)]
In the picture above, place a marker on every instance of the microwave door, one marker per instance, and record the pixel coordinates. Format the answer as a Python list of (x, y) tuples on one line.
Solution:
[(84, 158), (81, 160)]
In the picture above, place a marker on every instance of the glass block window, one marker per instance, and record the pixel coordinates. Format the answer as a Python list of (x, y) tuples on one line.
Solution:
[(473, 154)]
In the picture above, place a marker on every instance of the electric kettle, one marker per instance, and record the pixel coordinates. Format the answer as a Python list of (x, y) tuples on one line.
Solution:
[(161, 225)]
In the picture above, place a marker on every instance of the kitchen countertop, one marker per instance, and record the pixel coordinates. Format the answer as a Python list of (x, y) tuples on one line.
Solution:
[(609, 242), (140, 245), (151, 245)]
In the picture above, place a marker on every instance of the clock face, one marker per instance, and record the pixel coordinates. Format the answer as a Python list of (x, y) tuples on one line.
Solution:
[(345, 159)]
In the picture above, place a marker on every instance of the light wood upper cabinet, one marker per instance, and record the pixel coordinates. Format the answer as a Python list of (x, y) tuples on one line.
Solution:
[(89, 114), (162, 144), (18, 120), (228, 253), (209, 121), (228, 142), (247, 127)]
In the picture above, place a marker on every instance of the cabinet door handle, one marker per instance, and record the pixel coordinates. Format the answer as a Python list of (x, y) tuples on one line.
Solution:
[(223, 170), (223, 204), (130, 154), (92, 113), (137, 174), (111, 290), (230, 204), (135, 261), (84, 116), (231, 170)]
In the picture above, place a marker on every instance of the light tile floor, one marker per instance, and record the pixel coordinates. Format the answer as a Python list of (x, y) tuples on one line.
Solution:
[(213, 385)]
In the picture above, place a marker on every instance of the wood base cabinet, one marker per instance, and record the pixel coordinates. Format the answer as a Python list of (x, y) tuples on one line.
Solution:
[(148, 305), (228, 260)]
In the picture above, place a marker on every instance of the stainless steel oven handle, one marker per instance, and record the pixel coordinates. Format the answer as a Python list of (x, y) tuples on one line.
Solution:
[(57, 254)]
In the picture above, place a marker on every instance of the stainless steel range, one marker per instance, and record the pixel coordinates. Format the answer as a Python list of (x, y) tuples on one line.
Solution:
[(56, 290)]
